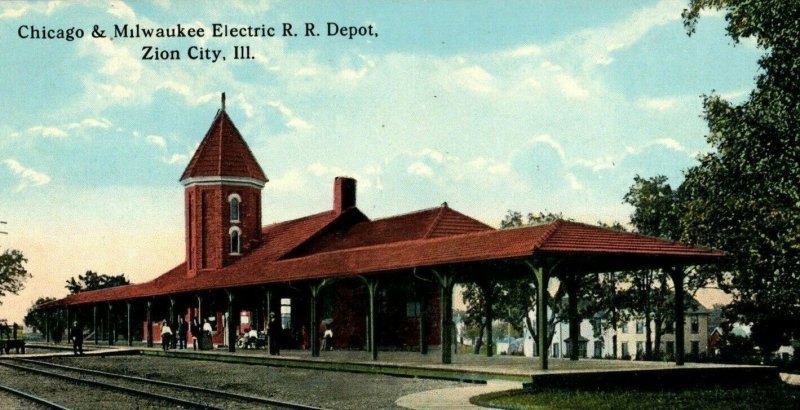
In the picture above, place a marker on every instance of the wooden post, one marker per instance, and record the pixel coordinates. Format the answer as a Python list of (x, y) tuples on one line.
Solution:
[(542, 279), (47, 326), (487, 288), (149, 323), (130, 333), (574, 320), (423, 321), (111, 325), (372, 288), (94, 323), (677, 275), (268, 303), (446, 281), (171, 322), (231, 322), (69, 326), (313, 330)]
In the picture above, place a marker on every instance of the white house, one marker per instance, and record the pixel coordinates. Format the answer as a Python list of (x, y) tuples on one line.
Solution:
[(597, 342)]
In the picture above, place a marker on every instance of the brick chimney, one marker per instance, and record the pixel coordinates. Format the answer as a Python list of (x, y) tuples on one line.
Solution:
[(344, 194)]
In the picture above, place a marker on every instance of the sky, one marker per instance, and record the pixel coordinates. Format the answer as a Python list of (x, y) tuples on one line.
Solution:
[(550, 106)]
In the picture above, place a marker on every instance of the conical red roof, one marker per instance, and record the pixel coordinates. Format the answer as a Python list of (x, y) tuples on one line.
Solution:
[(223, 153)]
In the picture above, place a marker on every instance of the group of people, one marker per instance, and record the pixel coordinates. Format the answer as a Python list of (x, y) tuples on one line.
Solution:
[(274, 328), (170, 340), (201, 337)]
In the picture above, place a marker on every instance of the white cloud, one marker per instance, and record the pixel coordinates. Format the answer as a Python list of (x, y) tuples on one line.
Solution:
[(46, 8), (658, 104), (571, 87), (670, 144), (91, 123), (28, 176), (156, 140), (490, 166), (121, 10), (525, 51), (421, 169), (248, 108), (251, 7), (547, 139), (475, 78), (598, 164), (291, 181), (177, 159), (320, 170), (12, 13), (573, 182), (117, 91), (292, 120), (48, 132)]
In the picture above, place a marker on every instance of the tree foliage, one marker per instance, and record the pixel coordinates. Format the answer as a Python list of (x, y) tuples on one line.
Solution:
[(12, 272), (93, 281), (744, 196), (35, 319)]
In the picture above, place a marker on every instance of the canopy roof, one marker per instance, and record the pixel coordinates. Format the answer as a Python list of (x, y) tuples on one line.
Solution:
[(329, 245)]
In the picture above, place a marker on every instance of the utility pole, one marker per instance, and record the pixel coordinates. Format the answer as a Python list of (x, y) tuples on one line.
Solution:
[(3, 223)]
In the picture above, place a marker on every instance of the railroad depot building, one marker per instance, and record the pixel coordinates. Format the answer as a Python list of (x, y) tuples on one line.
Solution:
[(380, 284)]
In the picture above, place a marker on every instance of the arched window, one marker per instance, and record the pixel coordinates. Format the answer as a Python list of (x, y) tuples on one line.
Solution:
[(235, 235), (234, 200)]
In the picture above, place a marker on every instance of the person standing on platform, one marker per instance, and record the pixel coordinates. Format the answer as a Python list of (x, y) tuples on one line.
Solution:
[(207, 343), (274, 334), (77, 338), (166, 335), (195, 329), (183, 327), (327, 338)]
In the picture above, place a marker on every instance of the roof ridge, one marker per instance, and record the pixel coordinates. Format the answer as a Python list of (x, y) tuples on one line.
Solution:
[(221, 139), (399, 243), (548, 233), (419, 211), (347, 211), (314, 215), (435, 222)]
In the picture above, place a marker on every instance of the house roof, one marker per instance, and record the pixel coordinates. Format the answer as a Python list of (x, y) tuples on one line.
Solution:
[(274, 262), (223, 153)]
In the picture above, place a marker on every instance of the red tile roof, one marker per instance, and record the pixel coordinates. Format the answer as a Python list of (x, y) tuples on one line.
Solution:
[(608, 249), (428, 223), (223, 153)]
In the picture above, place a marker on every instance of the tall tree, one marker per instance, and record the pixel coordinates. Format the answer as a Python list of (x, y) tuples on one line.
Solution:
[(93, 281), (12, 272), (744, 196), (35, 319), (656, 209)]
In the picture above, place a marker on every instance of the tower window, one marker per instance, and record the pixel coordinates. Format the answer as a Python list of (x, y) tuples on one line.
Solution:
[(236, 241), (234, 200)]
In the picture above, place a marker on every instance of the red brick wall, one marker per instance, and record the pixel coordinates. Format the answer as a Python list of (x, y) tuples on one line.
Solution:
[(394, 329), (207, 218)]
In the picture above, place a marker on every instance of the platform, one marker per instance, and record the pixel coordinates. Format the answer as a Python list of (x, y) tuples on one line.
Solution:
[(468, 367)]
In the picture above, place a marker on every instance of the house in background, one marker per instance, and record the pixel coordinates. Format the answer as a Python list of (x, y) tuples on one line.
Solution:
[(596, 342)]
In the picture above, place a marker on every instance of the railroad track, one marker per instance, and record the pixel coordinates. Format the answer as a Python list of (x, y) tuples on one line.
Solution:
[(157, 391)]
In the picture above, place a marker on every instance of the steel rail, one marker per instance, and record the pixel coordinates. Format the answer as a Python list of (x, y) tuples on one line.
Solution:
[(223, 393), (33, 398), (182, 402)]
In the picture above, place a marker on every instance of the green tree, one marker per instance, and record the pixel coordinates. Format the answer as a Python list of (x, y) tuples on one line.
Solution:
[(35, 319), (12, 272), (93, 281), (744, 196)]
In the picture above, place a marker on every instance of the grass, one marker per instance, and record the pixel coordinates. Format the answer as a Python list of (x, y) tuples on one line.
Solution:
[(772, 396)]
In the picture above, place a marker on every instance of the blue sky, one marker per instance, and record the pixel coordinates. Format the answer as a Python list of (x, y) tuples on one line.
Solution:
[(530, 106)]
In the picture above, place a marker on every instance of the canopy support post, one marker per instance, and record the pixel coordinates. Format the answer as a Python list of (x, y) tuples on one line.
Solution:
[(677, 276), (446, 282)]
